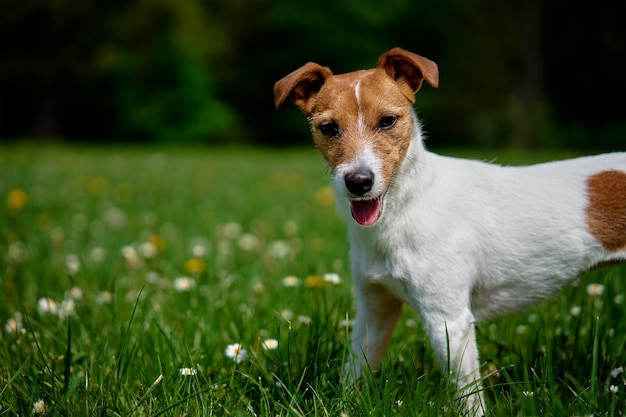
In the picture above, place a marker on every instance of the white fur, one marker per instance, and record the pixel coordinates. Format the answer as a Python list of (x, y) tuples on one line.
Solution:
[(463, 241), (458, 240), (366, 158), (360, 117)]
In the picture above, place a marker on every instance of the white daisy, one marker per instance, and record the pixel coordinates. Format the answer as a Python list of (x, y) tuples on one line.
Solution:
[(182, 284), (72, 264), (332, 278), (291, 281), (270, 344), (187, 371), (104, 297), (236, 352), (39, 408), (47, 305), (595, 290), (14, 325)]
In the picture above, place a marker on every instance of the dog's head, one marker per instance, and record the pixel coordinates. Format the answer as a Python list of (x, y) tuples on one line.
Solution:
[(362, 122)]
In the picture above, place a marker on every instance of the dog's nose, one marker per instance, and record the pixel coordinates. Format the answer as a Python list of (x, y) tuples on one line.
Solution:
[(359, 182)]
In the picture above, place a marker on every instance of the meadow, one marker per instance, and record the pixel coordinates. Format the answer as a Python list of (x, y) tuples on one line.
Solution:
[(215, 282)]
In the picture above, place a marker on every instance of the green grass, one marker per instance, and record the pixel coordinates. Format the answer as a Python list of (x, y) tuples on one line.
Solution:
[(108, 231)]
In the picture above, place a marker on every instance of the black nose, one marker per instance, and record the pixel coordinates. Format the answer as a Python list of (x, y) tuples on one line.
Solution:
[(359, 182)]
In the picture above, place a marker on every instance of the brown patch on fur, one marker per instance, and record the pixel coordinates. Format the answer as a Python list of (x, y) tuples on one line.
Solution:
[(409, 70), (385, 91), (380, 96), (606, 210), (336, 102)]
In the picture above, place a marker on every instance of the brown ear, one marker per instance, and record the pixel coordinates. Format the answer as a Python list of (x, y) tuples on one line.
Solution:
[(301, 85), (409, 70)]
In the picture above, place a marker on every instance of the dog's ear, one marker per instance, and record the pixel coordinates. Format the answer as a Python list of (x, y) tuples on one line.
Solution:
[(301, 85), (409, 70)]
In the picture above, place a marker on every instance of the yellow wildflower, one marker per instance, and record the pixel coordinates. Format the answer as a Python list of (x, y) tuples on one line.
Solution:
[(324, 197), (314, 281), (17, 199), (98, 186), (157, 241), (195, 266)]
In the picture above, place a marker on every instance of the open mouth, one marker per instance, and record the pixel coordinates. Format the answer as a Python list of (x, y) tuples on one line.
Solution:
[(366, 212)]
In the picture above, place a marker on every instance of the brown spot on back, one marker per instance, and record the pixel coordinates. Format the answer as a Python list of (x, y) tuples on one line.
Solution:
[(606, 209)]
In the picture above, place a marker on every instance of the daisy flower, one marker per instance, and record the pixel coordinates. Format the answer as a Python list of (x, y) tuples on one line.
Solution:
[(16, 252), (236, 352), (148, 250), (248, 242), (47, 305), (270, 344), (72, 264), (595, 290), (75, 293), (68, 308), (304, 319), (290, 228), (14, 325), (187, 371), (286, 314), (332, 278), (104, 297), (98, 254), (200, 247), (182, 284), (291, 281), (132, 258), (39, 408), (230, 230), (279, 249)]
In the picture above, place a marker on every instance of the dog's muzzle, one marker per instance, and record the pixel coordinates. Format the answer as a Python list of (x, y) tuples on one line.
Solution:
[(359, 182), (365, 211)]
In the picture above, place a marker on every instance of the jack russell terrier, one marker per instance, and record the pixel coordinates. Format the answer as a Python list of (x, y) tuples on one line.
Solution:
[(460, 241)]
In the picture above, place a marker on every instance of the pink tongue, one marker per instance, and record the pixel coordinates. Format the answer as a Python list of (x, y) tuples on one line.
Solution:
[(366, 212)]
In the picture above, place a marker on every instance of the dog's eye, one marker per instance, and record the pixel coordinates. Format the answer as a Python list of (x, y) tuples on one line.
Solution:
[(330, 129), (387, 122)]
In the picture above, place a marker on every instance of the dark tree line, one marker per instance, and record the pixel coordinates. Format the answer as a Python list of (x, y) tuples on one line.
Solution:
[(522, 73)]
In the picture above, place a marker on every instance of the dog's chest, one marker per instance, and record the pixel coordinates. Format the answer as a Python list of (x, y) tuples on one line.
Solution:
[(377, 258)]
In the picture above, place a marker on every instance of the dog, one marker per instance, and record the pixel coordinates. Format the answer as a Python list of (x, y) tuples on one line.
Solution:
[(460, 241)]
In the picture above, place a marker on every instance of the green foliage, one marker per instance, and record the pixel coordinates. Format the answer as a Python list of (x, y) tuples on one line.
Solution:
[(202, 71), (94, 320), (167, 90)]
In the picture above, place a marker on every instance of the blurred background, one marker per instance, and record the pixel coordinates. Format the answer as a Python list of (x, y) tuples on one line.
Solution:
[(523, 74)]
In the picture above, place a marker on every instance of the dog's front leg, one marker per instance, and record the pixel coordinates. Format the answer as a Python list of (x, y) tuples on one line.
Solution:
[(453, 338), (377, 314)]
